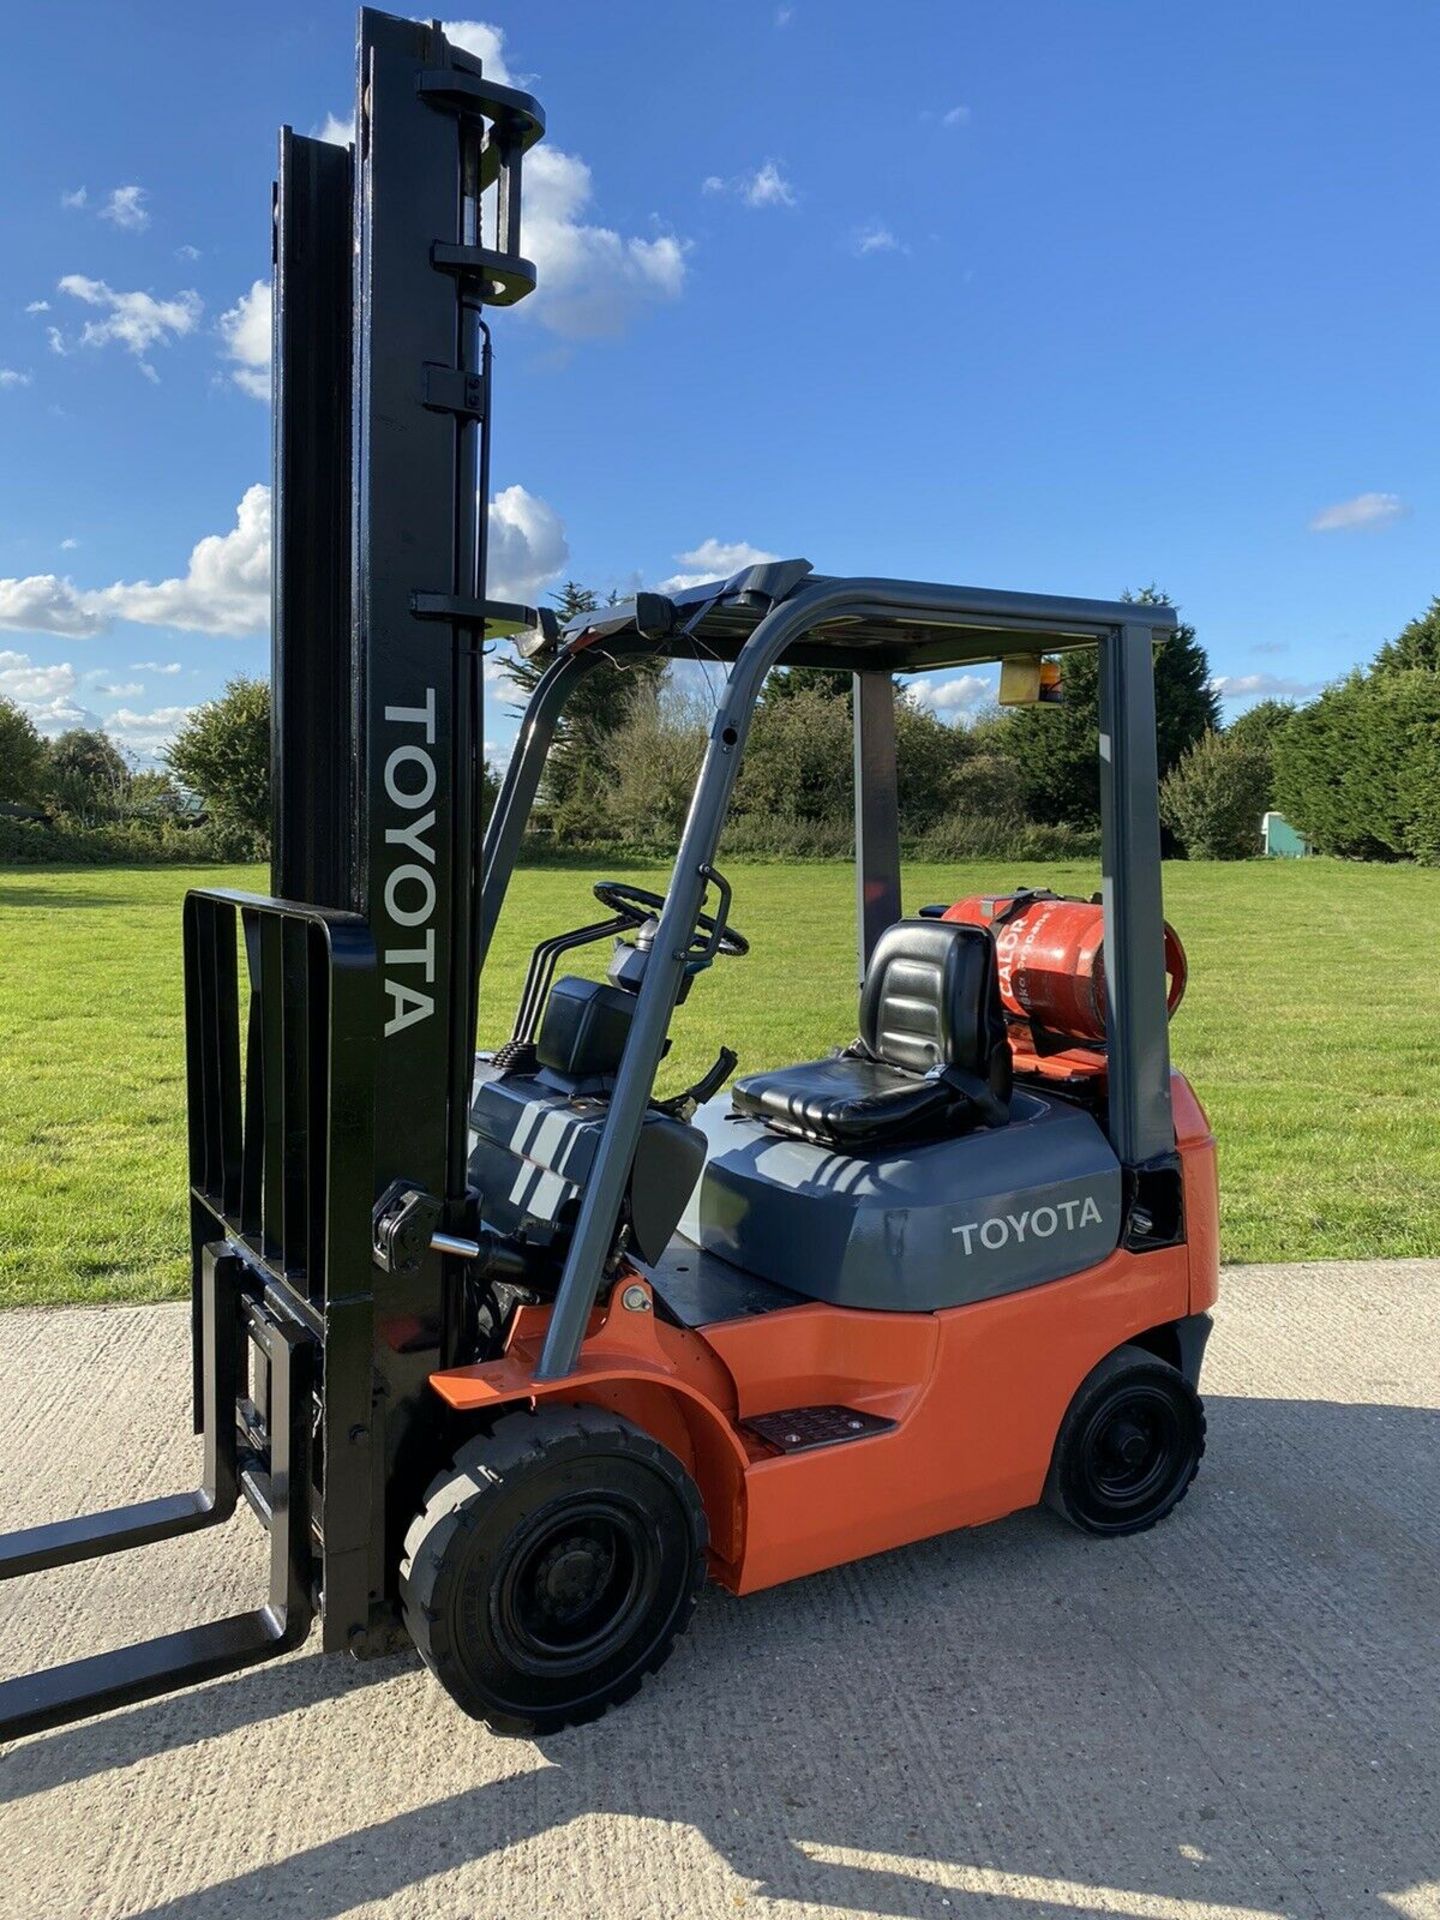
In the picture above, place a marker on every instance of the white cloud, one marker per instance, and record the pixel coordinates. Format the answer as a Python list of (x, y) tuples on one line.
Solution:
[(143, 734), (136, 321), (187, 252), (944, 696), (225, 588), (1263, 686), (155, 666), (60, 715), (126, 208), (245, 331), (714, 560), (38, 306), (766, 186), (76, 199), (528, 547), (1365, 510), (784, 15), (69, 546), (120, 690), (500, 684), (21, 679), (877, 239), (955, 117), (11, 377), (44, 603), (45, 693), (476, 37), (592, 280), (1271, 646), (485, 42)]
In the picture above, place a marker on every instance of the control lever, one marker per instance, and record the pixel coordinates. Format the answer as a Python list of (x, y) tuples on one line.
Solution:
[(682, 1106)]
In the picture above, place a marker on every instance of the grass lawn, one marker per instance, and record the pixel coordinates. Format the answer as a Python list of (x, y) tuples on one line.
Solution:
[(1311, 1031)]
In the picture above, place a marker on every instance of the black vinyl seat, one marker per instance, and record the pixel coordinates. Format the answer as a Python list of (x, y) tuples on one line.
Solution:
[(932, 1058)]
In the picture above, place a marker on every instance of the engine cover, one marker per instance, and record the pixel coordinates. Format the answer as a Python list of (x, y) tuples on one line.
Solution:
[(933, 1226)]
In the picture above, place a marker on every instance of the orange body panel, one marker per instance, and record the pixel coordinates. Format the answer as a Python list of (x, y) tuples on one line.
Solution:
[(977, 1393)]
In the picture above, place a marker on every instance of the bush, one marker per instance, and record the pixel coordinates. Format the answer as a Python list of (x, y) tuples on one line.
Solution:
[(785, 836), (32, 843), (979, 836), (1213, 800)]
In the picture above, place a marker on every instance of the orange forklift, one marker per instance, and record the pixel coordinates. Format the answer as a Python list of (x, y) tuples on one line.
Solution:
[(508, 1353)]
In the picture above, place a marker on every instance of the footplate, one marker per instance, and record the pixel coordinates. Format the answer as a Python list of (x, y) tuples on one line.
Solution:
[(36, 1701), (802, 1429)]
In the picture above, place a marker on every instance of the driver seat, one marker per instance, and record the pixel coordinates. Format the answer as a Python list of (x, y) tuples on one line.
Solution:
[(932, 1059)]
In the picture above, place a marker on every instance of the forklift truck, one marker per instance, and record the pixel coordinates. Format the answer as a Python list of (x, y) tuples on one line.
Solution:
[(508, 1354)]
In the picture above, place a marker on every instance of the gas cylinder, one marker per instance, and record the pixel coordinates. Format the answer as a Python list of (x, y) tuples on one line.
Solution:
[(1051, 954)]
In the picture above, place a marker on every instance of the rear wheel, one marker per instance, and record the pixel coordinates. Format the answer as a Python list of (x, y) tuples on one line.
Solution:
[(553, 1567), (1128, 1447)]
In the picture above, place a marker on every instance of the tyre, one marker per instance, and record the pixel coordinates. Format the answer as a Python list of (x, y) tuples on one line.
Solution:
[(1129, 1445), (553, 1567)]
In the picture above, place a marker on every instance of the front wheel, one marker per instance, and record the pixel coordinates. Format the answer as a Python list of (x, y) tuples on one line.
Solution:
[(553, 1567), (1129, 1445)]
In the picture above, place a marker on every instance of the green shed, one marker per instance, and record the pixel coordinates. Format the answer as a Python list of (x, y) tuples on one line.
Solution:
[(1282, 841)]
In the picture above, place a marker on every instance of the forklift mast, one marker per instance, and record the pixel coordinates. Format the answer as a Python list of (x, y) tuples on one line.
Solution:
[(340, 1071)]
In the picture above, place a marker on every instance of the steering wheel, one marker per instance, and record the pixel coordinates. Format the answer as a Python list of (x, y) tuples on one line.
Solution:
[(638, 904)]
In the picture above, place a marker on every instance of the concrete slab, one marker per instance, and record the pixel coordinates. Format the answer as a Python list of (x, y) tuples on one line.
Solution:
[(1235, 1715)]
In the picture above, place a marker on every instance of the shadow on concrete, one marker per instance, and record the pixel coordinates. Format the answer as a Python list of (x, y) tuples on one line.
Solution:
[(1236, 1710)]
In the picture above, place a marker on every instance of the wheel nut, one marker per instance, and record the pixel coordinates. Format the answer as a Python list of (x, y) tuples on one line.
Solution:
[(635, 1300)]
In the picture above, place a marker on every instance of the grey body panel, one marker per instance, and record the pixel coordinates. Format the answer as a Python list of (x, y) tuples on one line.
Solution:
[(532, 1148), (936, 1225)]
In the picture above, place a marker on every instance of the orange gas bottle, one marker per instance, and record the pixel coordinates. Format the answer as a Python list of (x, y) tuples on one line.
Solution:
[(1051, 953)]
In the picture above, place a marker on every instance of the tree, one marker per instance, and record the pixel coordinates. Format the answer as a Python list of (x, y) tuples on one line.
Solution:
[(1212, 800), (89, 776), (576, 771), (1258, 728), (831, 683), (1356, 769), (1056, 749), (222, 753), (1261, 725), (1417, 645), (654, 760), (799, 761), (23, 760), (933, 760)]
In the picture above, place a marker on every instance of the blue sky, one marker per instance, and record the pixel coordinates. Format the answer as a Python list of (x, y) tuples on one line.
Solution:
[(1050, 296)]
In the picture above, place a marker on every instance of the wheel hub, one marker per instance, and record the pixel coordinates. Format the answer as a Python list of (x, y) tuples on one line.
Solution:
[(1129, 1443), (571, 1576)]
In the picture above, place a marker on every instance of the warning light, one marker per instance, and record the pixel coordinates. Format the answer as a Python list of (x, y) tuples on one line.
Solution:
[(1026, 681)]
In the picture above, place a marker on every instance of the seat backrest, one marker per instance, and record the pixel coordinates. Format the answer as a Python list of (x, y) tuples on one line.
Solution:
[(932, 999)]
